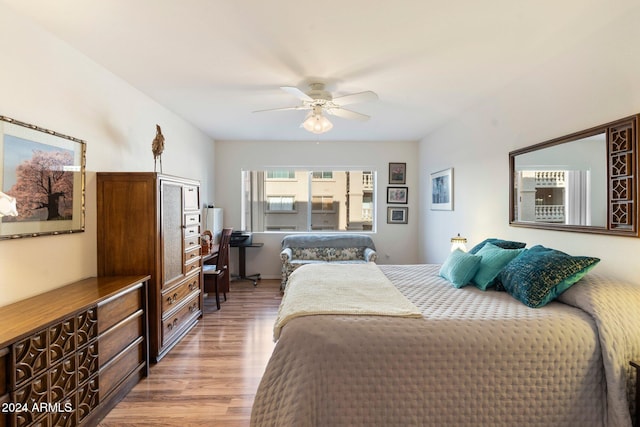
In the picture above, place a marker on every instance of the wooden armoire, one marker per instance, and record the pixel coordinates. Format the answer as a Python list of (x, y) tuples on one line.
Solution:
[(149, 223)]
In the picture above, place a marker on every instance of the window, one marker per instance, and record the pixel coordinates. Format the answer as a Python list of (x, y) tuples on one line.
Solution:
[(281, 174), (322, 204), (322, 175), (306, 200), (281, 203)]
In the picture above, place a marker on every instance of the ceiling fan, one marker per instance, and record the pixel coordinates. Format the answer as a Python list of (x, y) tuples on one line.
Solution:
[(318, 101)]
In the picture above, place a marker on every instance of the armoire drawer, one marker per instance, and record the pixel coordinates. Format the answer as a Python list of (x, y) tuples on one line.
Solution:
[(172, 298), (192, 231), (191, 219), (179, 320), (191, 254)]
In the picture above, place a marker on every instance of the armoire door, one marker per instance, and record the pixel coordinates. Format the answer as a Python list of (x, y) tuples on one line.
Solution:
[(171, 232)]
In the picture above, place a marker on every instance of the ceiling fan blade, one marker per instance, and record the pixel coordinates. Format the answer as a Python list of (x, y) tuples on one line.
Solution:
[(354, 98), (299, 107), (347, 114), (296, 92)]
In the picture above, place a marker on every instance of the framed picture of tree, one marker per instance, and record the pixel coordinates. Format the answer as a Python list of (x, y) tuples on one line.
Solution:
[(42, 175)]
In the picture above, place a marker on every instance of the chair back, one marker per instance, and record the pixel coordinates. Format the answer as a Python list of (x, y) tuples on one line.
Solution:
[(223, 250)]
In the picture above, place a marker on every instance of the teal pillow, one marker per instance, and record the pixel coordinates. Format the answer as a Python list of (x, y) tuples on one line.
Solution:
[(504, 244), (460, 267), (540, 274), (494, 259)]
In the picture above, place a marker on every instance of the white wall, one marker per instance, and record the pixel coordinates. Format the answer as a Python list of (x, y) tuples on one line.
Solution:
[(595, 82), (45, 83), (395, 243)]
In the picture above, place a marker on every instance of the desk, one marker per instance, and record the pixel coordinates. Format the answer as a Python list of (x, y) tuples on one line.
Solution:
[(242, 263)]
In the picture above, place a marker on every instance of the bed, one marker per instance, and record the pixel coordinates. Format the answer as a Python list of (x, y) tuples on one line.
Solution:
[(473, 357)]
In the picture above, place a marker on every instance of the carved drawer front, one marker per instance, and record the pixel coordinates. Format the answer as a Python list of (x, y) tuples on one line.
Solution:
[(192, 267), (62, 340), (116, 309), (191, 255), (34, 393), (172, 298), (63, 379), (87, 398), (120, 336), (29, 358), (87, 326), (87, 362), (116, 369), (179, 319), (64, 413)]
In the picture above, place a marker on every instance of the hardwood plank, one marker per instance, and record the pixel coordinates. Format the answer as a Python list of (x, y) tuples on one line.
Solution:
[(211, 376)]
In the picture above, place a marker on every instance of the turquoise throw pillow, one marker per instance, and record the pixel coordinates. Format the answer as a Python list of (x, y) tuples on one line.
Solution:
[(540, 275), (504, 244), (460, 267), (494, 259)]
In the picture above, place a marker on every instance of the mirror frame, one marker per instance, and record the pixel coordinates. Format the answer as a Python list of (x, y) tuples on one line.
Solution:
[(622, 180)]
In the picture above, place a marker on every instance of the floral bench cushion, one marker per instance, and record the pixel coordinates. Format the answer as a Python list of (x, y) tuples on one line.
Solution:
[(327, 254)]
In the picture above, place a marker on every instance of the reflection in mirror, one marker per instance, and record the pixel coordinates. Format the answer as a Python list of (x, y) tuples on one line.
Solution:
[(563, 184), (585, 181)]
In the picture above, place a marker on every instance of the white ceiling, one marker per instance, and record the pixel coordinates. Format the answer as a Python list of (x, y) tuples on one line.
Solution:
[(214, 62)]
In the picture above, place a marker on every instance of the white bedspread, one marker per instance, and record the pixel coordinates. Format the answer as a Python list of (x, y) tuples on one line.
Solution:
[(357, 289)]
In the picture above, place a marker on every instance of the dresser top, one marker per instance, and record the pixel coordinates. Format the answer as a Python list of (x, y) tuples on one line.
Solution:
[(24, 317)]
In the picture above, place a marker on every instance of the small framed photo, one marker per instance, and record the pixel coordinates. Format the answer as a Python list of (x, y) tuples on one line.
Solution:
[(442, 190), (397, 173), (398, 195), (397, 215)]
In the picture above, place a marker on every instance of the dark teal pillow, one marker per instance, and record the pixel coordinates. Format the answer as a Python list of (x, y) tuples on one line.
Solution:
[(460, 267), (504, 244), (540, 274), (494, 259)]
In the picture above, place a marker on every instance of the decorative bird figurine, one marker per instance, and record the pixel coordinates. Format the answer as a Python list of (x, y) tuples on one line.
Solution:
[(157, 146)]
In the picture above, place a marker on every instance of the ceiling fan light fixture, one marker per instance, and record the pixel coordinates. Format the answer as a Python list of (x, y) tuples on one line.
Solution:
[(317, 123)]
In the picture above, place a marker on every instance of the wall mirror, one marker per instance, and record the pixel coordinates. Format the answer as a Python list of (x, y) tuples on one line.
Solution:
[(42, 181), (583, 182)]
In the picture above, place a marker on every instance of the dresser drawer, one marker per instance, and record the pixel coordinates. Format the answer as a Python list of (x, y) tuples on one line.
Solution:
[(119, 308), (174, 296), (179, 320), (4, 370), (119, 367), (120, 336)]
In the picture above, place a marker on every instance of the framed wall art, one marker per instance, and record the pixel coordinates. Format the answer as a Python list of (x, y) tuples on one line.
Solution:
[(397, 173), (442, 190), (44, 171), (397, 195), (397, 215)]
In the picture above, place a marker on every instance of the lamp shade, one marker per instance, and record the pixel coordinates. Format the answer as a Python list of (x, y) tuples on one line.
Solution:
[(458, 242), (316, 122)]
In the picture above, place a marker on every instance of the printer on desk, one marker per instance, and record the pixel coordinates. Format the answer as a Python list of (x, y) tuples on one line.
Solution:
[(241, 238)]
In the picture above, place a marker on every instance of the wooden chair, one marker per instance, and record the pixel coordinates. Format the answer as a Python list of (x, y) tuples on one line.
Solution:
[(216, 277)]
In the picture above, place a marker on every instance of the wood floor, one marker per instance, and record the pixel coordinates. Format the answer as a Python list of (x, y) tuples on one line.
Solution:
[(211, 376)]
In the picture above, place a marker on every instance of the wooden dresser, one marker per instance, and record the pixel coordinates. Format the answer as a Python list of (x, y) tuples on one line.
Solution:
[(149, 223), (69, 355)]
